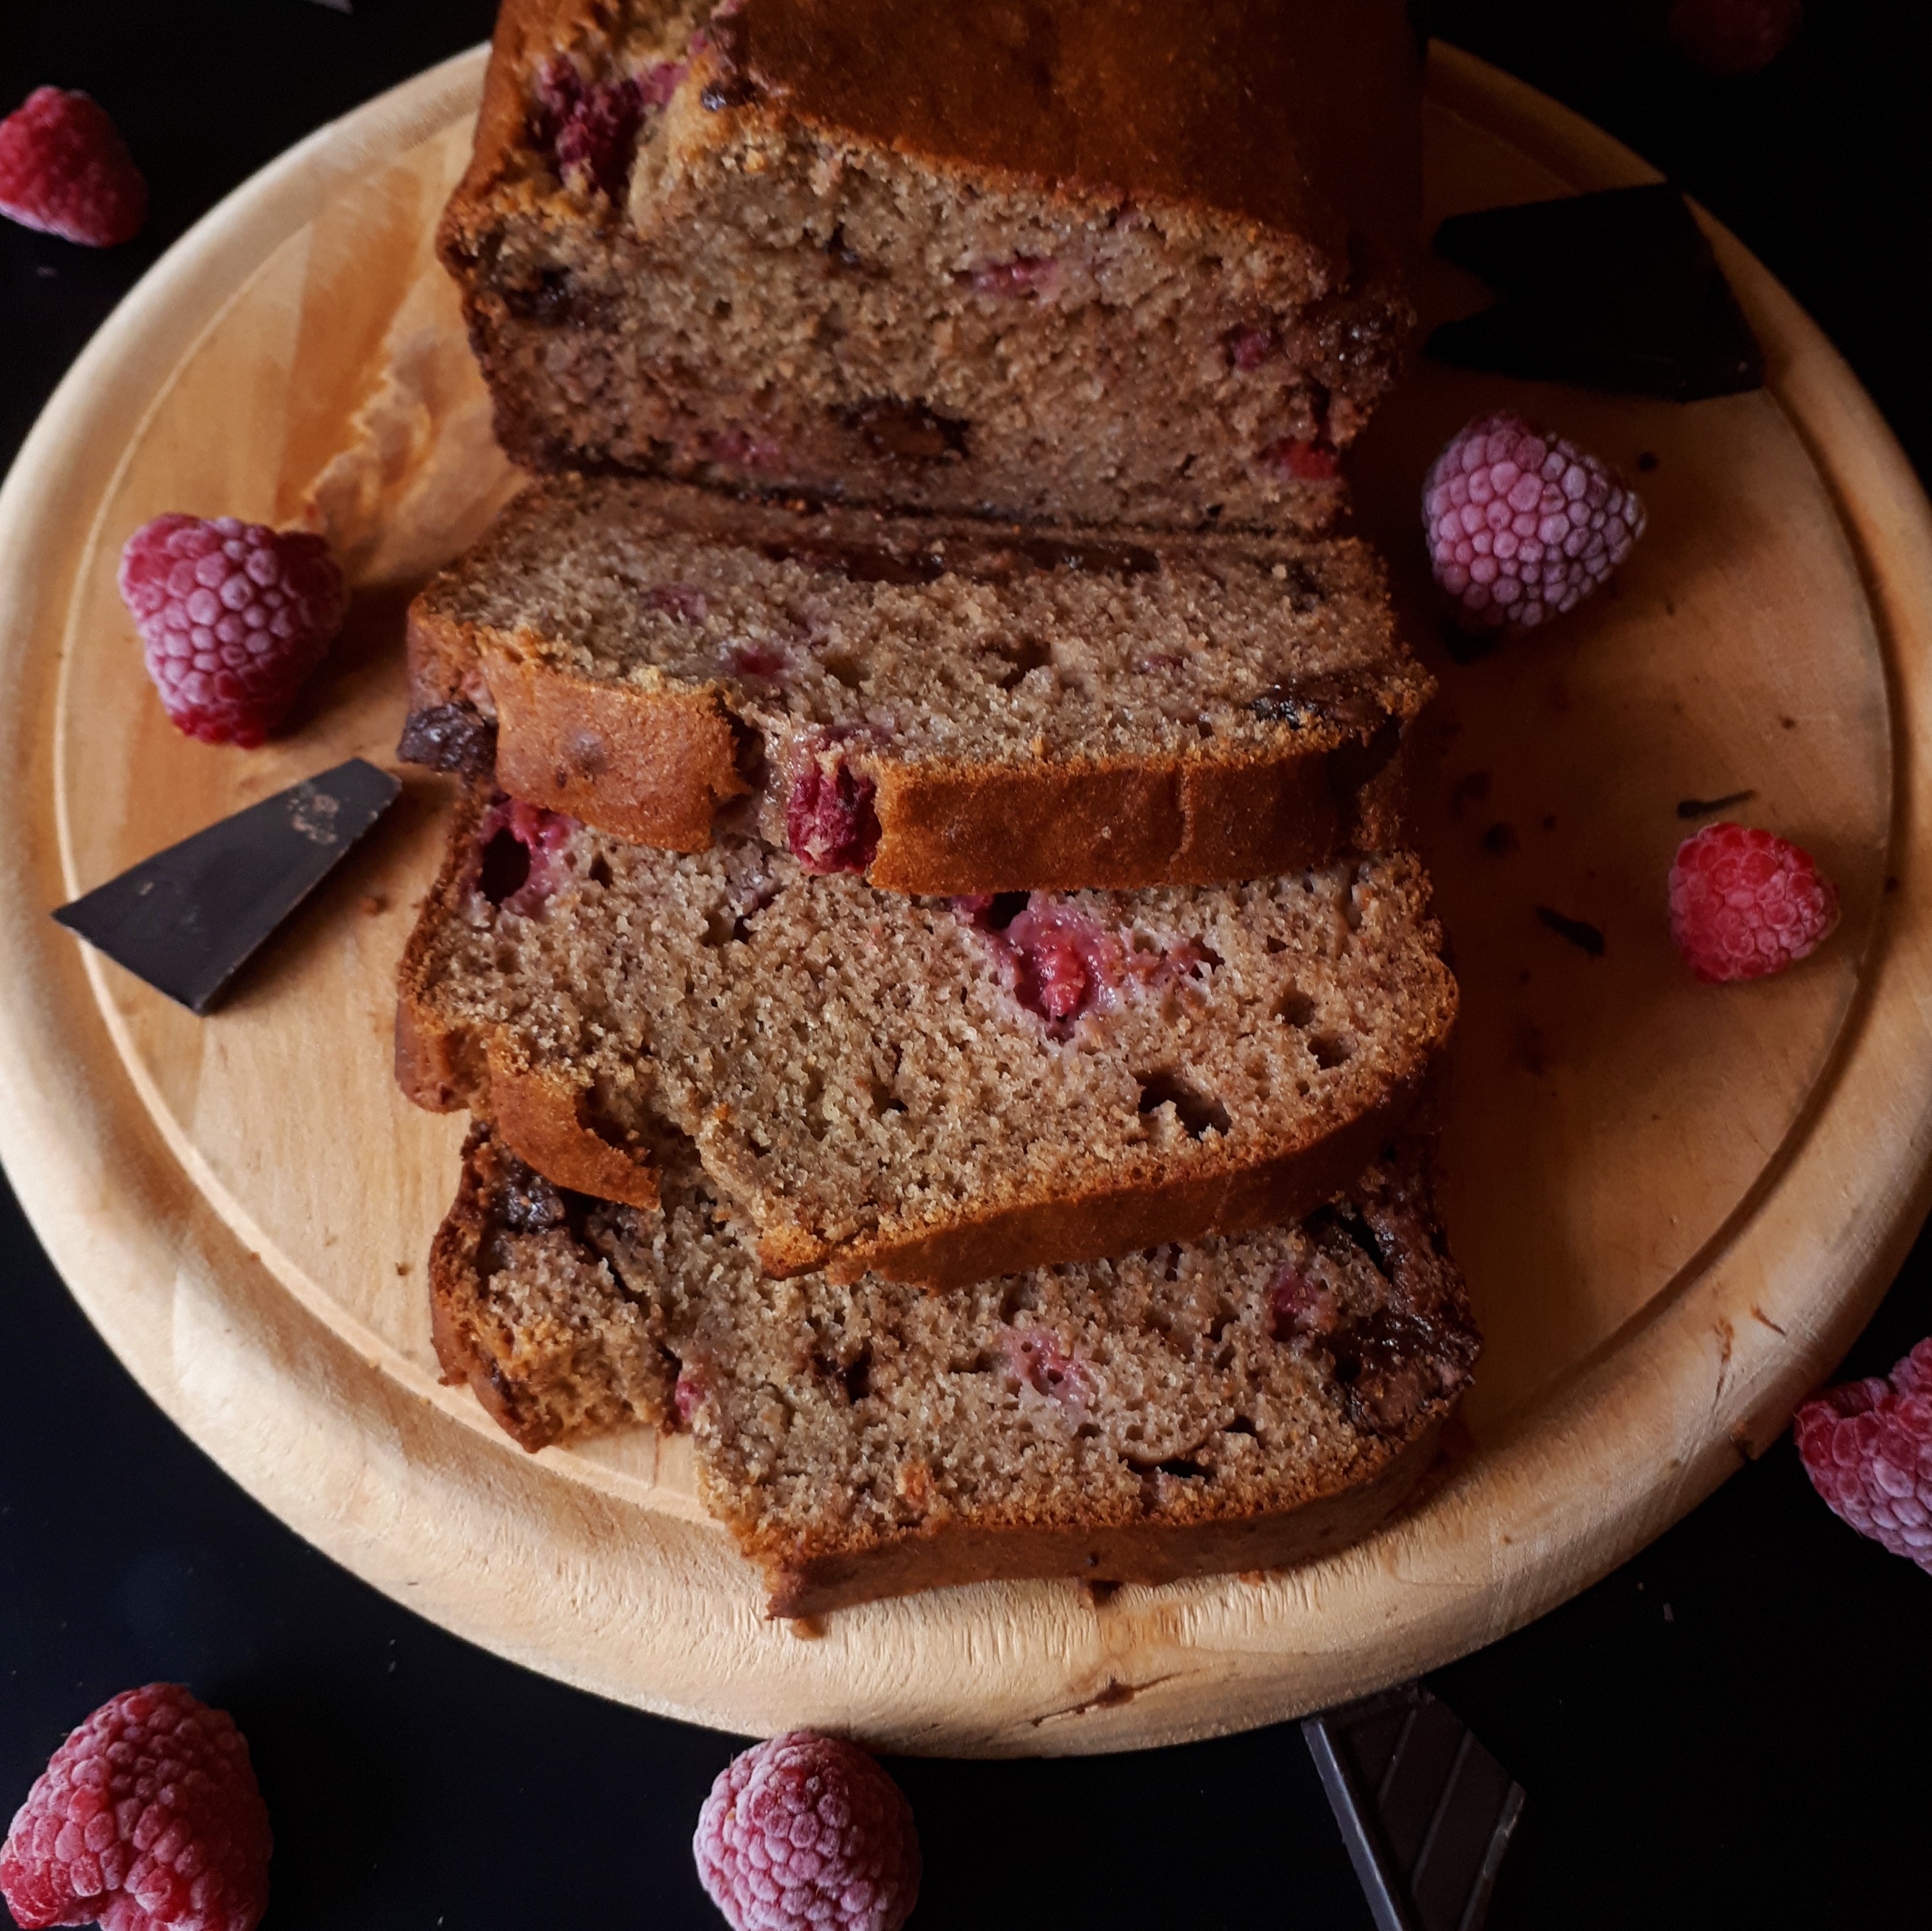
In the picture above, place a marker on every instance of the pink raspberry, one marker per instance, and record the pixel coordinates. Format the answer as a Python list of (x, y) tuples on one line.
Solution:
[(232, 616), (831, 823), (64, 169), (148, 1819), (1867, 1448), (1523, 525), (1731, 38), (520, 854), (1745, 904), (591, 130), (806, 1833), (1301, 461)]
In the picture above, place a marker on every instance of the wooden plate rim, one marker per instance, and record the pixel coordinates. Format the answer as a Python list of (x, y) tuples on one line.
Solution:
[(1709, 1373)]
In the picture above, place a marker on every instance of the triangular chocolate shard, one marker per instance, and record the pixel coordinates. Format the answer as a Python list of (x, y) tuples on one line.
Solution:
[(1427, 1813), (1616, 290), (188, 918)]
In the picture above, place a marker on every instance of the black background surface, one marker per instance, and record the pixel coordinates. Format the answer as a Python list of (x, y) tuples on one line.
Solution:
[(1730, 1730)]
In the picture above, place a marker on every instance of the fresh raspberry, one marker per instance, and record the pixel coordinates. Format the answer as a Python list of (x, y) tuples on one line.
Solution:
[(64, 169), (148, 1819), (1523, 525), (1732, 38), (232, 617), (831, 824), (806, 1833), (1867, 1448), (1745, 904)]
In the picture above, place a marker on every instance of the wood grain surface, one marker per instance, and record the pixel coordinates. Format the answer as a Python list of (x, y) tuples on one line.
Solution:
[(1676, 1204)]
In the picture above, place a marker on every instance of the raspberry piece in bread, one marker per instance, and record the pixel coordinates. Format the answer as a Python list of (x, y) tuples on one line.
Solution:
[(951, 707), (884, 1081), (1110, 264), (1132, 1421)]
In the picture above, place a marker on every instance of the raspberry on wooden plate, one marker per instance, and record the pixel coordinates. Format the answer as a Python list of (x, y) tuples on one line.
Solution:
[(1745, 904), (148, 1819), (64, 169), (233, 616), (1522, 525)]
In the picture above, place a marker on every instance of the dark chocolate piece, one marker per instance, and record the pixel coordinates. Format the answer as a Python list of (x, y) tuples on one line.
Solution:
[(1427, 1813), (454, 737), (188, 918), (1616, 290), (1578, 931)]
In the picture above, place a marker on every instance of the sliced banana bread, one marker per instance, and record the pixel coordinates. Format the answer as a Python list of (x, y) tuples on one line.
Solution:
[(1235, 1404), (1076, 258), (941, 1090), (945, 706)]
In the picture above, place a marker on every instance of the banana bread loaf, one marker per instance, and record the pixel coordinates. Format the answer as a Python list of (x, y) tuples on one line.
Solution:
[(940, 1090), (1236, 1404), (1067, 258), (946, 707)]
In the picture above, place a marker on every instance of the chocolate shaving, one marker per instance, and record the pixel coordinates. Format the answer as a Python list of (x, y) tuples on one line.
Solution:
[(1578, 931), (1702, 808)]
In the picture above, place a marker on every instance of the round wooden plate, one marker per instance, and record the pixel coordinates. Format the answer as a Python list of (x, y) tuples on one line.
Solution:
[(1676, 1204)]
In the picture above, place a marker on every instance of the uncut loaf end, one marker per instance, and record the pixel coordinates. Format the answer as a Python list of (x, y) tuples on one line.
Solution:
[(1082, 260)]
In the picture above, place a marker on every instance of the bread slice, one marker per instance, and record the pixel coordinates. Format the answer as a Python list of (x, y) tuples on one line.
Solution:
[(1080, 260), (1232, 1405), (941, 1091), (947, 707)]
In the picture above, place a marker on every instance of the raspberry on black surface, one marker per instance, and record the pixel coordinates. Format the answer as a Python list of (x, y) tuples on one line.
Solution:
[(148, 1818)]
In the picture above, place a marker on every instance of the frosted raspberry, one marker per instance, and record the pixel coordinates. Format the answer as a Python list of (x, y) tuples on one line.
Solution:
[(1523, 525), (1730, 37), (148, 1819), (65, 170), (1867, 1448), (1745, 903), (806, 1833), (830, 823), (232, 617)]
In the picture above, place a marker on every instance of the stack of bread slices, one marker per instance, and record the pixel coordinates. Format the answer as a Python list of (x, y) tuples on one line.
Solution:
[(927, 945)]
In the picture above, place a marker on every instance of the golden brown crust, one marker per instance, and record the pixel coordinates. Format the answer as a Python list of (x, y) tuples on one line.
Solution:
[(946, 1554), (652, 766)]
